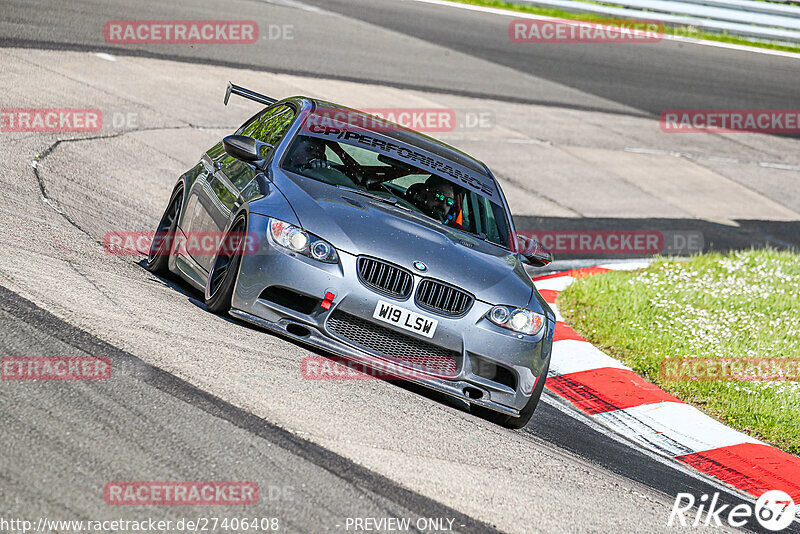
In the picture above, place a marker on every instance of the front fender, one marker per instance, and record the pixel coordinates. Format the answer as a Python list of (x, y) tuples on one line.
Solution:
[(269, 201)]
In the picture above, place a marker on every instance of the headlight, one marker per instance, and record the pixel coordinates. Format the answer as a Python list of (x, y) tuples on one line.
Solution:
[(298, 240), (517, 319)]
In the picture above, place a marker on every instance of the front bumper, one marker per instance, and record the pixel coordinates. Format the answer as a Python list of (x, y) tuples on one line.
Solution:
[(471, 338)]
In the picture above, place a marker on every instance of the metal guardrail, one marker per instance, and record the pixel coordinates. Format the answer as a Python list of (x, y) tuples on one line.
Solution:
[(745, 18), (752, 6)]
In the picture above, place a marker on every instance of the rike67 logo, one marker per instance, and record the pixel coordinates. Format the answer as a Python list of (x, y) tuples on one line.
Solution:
[(774, 510)]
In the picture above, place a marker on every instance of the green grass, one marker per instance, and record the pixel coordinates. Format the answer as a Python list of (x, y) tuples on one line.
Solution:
[(685, 31), (744, 304)]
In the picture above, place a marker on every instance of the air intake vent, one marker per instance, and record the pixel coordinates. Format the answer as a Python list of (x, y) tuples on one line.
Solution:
[(388, 343), (384, 277), (443, 298)]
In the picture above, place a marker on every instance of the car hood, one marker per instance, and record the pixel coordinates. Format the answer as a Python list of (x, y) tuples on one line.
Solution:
[(358, 225)]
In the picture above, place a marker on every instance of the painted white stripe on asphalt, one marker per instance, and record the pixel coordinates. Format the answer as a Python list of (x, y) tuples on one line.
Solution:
[(688, 155), (673, 428), (559, 318), (572, 356), (626, 265), (667, 37), (294, 4), (559, 283), (559, 404)]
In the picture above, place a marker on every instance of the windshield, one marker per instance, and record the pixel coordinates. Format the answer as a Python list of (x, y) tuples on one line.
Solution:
[(358, 159)]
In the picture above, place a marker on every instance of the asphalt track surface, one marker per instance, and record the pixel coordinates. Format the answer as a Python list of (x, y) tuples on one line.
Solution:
[(414, 45), (150, 422), (362, 46), (163, 425)]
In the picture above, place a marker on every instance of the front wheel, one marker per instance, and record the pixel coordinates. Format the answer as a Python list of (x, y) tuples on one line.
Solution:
[(161, 246), (222, 278), (525, 414)]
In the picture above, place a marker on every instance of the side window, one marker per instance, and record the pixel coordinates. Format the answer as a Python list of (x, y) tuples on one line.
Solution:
[(491, 222), (332, 156), (271, 125)]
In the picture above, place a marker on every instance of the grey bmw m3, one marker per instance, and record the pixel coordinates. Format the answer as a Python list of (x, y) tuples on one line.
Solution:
[(372, 242)]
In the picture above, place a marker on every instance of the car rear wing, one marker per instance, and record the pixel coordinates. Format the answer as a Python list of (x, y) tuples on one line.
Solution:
[(247, 93)]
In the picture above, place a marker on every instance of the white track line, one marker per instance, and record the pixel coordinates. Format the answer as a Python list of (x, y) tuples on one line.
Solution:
[(674, 427), (554, 308), (656, 455), (557, 283), (700, 42), (626, 265), (573, 356)]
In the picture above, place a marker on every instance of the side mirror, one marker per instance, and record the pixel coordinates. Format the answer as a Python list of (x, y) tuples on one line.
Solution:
[(245, 148), (534, 252)]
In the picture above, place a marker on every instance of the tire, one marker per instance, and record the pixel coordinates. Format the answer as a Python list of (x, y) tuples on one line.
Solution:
[(158, 256), (525, 414), (224, 271)]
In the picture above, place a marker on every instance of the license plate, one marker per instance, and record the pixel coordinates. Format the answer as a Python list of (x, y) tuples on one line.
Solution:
[(405, 319)]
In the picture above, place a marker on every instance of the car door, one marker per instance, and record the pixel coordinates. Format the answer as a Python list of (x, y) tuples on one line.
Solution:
[(219, 196)]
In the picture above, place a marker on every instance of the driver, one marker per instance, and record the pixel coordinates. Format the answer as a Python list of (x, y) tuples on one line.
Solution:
[(436, 198), (309, 153)]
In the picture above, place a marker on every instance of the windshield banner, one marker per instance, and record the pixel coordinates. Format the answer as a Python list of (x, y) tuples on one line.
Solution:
[(359, 137)]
